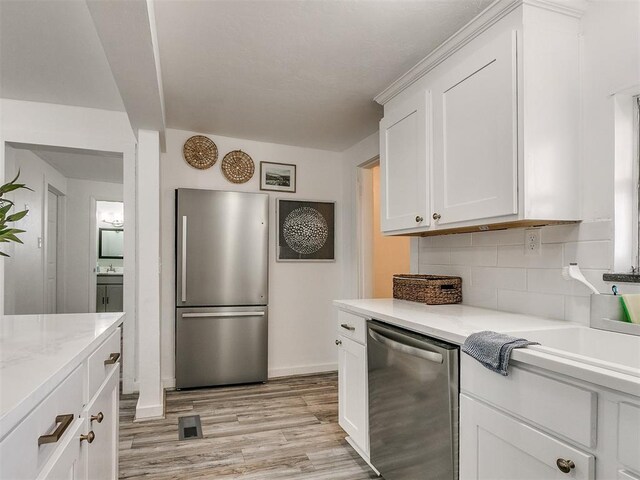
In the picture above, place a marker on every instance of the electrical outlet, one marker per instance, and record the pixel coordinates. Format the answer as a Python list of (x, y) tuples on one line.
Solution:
[(532, 241)]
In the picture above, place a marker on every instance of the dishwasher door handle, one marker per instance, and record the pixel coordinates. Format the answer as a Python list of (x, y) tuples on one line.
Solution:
[(408, 349)]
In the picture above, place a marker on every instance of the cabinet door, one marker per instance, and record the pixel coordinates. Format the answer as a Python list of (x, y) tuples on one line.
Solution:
[(475, 158), (102, 453), (114, 298), (404, 185), (494, 446), (67, 461), (352, 392), (101, 298)]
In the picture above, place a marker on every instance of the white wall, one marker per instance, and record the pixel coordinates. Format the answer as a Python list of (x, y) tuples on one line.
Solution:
[(90, 129), (25, 285), (301, 327), (358, 154), (79, 270), (495, 271)]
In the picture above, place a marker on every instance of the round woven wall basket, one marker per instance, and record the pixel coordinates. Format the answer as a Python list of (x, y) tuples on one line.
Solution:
[(200, 152), (237, 166)]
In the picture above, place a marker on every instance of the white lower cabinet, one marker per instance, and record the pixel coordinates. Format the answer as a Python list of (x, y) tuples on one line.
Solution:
[(67, 462), (495, 446), (61, 438), (352, 368), (102, 415), (353, 397)]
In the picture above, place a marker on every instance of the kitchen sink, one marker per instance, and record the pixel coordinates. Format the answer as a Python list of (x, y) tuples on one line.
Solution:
[(614, 351)]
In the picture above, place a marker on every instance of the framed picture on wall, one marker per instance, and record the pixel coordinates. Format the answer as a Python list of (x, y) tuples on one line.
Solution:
[(277, 177), (306, 231)]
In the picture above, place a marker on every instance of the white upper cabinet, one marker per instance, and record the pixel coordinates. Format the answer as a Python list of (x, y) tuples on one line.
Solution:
[(475, 160), (404, 183), (483, 133)]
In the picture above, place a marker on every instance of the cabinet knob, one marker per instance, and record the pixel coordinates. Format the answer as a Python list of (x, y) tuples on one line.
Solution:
[(338, 342), (437, 216), (89, 437), (565, 466), (97, 418), (419, 219)]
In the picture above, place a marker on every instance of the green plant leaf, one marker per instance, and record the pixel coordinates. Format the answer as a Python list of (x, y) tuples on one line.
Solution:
[(12, 237), (16, 216)]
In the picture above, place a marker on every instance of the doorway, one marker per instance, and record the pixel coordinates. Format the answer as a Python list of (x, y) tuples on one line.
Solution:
[(381, 256)]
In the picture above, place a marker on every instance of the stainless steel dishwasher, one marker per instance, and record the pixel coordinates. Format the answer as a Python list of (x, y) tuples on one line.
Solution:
[(413, 404)]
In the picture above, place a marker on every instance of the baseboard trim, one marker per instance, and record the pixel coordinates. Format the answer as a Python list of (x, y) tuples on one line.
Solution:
[(363, 455), (150, 412), (304, 370)]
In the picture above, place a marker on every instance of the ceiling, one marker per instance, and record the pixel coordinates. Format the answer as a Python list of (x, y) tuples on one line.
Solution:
[(80, 164), (293, 72), (50, 52), (296, 72)]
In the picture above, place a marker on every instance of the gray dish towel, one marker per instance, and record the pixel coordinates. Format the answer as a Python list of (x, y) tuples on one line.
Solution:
[(493, 349)]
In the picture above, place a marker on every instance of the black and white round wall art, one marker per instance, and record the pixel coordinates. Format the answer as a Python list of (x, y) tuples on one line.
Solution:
[(305, 230)]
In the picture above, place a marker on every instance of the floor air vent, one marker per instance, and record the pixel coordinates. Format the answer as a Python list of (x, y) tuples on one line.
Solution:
[(189, 428)]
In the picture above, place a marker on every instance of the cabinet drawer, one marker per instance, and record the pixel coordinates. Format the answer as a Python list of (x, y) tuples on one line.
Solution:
[(629, 435), (352, 326), (98, 370), (20, 455), (496, 446), (562, 408)]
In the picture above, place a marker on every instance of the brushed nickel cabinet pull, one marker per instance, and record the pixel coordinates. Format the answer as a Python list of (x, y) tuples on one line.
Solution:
[(347, 327), (89, 437), (113, 358), (437, 216), (98, 418), (63, 422), (419, 219), (338, 342), (565, 466)]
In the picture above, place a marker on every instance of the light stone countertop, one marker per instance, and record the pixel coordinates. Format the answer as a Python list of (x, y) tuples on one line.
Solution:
[(454, 323), (37, 352)]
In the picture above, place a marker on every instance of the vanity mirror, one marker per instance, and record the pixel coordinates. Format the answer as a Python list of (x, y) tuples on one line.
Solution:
[(111, 243)]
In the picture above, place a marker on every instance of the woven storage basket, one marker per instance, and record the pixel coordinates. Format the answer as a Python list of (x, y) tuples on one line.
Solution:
[(429, 289)]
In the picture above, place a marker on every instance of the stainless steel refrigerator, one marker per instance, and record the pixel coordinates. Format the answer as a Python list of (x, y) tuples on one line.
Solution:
[(221, 287)]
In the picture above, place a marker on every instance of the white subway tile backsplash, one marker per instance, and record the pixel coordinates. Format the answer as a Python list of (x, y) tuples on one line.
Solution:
[(481, 256), (453, 270), (457, 240), (498, 237), (495, 277), (576, 309), (580, 232), (496, 273), (435, 256), (479, 297), (530, 303), (514, 256), (589, 254), (552, 281)]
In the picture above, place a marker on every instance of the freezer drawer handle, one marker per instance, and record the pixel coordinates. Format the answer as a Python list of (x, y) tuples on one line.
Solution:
[(409, 350), (223, 314), (184, 259)]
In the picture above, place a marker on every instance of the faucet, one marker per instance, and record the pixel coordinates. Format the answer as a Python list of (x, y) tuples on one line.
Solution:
[(111, 269)]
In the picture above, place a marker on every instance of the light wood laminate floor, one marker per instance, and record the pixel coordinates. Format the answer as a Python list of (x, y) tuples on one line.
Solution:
[(284, 429)]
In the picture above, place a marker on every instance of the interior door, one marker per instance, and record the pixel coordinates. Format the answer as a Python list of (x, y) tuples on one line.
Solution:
[(476, 129), (222, 248), (404, 183)]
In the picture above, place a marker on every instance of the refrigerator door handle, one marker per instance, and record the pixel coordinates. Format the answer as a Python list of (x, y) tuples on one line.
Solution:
[(183, 287), (223, 314)]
